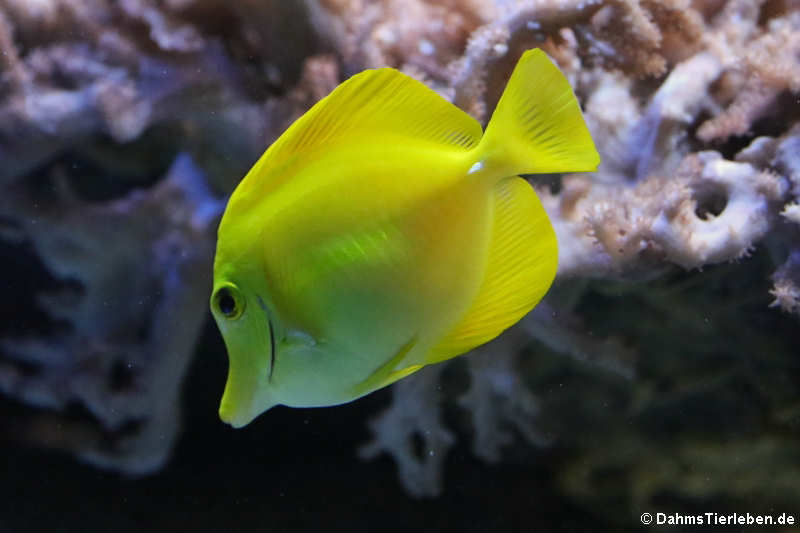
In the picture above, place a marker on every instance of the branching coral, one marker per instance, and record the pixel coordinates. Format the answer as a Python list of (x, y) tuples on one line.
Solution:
[(414, 414), (787, 284), (419, 35), (761, 63), (660, 83), (499, 402), (124, 233), (711, 210), (137, 270)]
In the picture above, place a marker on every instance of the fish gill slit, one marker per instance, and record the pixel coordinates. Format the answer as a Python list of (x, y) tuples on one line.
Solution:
[(271, 349), (271, 338)]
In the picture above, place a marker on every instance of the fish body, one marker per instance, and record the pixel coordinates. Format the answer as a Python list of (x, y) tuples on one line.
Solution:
[(384, 231)]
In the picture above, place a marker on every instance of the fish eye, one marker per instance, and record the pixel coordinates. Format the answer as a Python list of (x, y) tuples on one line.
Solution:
[(229, 302), (226, 302)]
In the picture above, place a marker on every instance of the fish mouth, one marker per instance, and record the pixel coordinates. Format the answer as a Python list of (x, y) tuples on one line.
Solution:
[(240, 406), (235, 419)]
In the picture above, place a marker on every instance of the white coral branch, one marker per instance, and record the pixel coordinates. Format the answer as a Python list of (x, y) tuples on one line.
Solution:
[(411, 430)]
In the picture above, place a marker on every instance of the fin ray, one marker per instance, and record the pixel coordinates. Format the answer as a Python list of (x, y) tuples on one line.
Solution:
[(537, 125), (521, 265), (386, 373), (381, 101)]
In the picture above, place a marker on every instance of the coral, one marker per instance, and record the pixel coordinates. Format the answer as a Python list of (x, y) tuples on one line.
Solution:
[(414, 413), (761, 65), (137, 270), (710, 210), (787, 284), (121, 123), (415, 34), (499, 402), (664, 85), (110, 218)]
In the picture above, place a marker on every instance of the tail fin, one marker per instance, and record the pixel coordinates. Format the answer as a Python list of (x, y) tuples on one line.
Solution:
[(537, 126)]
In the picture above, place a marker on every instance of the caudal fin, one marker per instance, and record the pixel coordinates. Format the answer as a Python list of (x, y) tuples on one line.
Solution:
[(537, 126)]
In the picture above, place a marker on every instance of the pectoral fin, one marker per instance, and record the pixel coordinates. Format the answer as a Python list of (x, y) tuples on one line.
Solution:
[(386, 373)]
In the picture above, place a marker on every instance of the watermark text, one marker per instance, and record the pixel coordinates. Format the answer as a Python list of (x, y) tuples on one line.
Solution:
[(717, 519)]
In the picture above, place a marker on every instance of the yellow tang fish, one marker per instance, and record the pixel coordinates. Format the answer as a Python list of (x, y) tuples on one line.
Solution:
[(383, 232)]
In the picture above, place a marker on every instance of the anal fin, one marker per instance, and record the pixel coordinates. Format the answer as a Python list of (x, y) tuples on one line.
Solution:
[(521, 266)]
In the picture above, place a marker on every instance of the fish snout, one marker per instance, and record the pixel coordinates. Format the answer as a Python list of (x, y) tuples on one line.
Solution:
[(243, 401), (232, 416)]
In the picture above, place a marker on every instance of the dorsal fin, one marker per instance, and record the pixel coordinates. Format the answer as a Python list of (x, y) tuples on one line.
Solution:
[(373, 102), (522, 261)]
